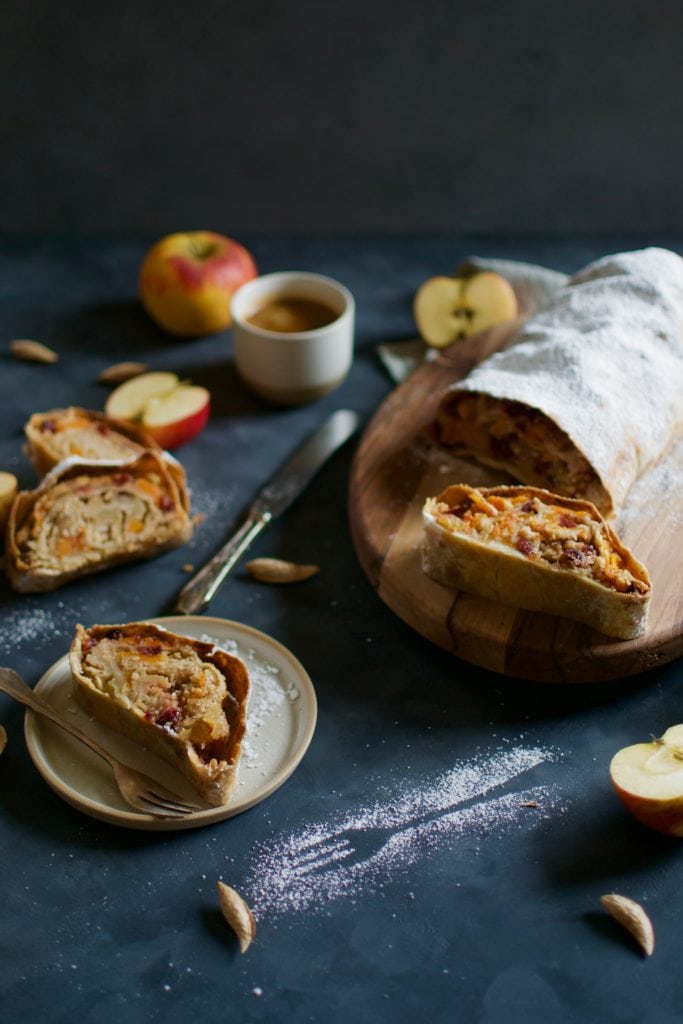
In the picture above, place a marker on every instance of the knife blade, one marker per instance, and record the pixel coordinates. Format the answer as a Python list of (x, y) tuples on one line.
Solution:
[(272, 500)]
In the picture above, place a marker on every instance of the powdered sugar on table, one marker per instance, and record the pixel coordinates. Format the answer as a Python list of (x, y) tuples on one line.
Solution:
[(357, 853)]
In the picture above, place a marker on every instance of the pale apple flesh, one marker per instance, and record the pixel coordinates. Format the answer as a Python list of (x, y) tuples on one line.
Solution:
[(175, 419), (448, 309), (129, 400), (8, 490), (171, 411), (648, 778), (187, 281)]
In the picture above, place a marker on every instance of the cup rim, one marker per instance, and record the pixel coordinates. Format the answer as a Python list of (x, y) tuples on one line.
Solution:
[(293, 276)]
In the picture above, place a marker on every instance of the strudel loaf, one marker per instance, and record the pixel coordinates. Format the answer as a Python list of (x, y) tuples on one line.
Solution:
[(588, 393)]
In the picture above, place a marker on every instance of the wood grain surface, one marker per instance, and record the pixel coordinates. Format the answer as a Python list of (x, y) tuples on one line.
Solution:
[(397, 465)]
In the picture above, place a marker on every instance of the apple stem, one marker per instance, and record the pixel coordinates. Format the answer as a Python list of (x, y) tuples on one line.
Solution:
[(203, 250)]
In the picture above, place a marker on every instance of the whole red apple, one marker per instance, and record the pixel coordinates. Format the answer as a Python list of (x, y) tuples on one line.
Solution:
[(187, 281)]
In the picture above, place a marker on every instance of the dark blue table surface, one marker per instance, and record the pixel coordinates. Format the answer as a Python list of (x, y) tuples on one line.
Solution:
[(497, 920)]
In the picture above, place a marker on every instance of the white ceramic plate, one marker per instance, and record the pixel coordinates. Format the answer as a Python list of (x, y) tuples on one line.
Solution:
[(281, 717)]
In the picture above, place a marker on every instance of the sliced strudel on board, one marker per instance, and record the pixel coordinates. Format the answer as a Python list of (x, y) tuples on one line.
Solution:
[(588, 393), (532, 549), (88, 516), (182, 699)]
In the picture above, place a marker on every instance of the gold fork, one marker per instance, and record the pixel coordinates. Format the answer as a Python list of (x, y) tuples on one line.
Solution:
[(138, 790)]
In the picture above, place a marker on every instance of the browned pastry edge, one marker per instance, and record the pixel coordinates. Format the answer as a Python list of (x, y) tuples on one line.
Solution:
[(214, 781)]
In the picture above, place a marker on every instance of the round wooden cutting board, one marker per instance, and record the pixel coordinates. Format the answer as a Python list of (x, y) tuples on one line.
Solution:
[(397, 466)]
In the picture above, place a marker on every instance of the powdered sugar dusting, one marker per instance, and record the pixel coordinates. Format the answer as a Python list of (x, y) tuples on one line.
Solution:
[(662, 479), (355, 853), (605, 362), (269, 696), (32, 623)]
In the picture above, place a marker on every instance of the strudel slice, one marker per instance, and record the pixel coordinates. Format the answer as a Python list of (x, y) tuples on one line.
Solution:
[(182, 699), (58, 434), (532, 549), (88, 516)]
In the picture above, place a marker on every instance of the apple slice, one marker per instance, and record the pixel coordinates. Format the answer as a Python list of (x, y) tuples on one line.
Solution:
[(175, 418), (448, 309), (8, 489), (129, 400), (648, 778)]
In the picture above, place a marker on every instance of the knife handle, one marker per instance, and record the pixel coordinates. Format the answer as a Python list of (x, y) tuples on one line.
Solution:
[(198, 592)]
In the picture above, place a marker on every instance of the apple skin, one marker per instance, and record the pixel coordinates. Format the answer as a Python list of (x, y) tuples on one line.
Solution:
[(662, 817), (648, 779), (178, 432), (187, 281)]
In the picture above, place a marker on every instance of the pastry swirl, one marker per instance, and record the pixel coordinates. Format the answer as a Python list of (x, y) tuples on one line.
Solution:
[(89, 516), (182, 699)]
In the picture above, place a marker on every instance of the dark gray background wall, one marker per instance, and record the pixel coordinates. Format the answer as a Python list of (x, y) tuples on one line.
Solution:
[(403, 115)]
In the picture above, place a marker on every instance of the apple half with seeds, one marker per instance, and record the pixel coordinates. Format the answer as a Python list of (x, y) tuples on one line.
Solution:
[(648, 778), (448, 309), (171, 410)]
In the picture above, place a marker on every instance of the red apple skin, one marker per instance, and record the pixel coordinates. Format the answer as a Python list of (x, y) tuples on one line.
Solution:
[(661, 815), (187, 281), (173, 435)]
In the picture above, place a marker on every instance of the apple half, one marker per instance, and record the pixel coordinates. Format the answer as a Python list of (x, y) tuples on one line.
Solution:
[(9, 486), (648, 778), (169, 409), (448, 309)]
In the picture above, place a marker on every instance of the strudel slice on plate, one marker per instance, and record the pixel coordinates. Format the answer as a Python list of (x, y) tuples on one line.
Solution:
[(532, 549), (182, 699), (88, 516)]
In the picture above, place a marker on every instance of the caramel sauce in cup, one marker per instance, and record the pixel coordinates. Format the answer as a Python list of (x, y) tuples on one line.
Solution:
[(290, 315), (292, 335)]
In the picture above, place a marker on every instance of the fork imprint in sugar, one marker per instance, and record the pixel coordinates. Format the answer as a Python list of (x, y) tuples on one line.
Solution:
[(326, 861)]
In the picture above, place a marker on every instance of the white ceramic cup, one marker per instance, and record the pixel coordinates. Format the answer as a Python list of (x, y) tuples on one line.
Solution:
[(292, 368)]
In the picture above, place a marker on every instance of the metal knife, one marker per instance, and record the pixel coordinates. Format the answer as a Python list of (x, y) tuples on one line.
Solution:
[(272, 500)]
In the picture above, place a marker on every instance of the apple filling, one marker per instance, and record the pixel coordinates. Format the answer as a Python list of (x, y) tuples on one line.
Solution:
[(85, 519), (519, 439), (543, 530), (75, 434), (167, 683), (62, 433)]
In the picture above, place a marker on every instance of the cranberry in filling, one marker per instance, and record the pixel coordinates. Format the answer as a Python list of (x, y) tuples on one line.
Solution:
[(169, 718), (525, 546)]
